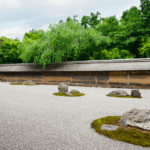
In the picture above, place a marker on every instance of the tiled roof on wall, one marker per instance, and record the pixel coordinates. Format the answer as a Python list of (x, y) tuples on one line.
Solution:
[(88, 65)]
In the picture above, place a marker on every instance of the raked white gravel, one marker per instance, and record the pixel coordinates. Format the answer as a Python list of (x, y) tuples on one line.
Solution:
[(32, 118)]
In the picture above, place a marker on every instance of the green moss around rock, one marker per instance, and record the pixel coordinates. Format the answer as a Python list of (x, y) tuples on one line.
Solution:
[(122, 96), (20, 84), (129, 136), (73, 94)]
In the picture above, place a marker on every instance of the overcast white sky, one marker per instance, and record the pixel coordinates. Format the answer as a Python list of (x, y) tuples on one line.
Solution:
[(20, 16)]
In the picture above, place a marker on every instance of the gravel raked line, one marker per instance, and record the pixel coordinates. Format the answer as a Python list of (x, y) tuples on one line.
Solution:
[(32, 118)]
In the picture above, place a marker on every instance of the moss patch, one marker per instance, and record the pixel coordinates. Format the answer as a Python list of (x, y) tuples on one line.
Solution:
[(73, 94), (129, 134), (122, 96), (20, 84)]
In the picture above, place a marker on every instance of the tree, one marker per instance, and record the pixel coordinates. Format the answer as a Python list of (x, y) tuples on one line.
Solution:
[(128, 35), (134, 29), (60, 21), (61, 41), (84, 21), (145, 49), (9, 51), (74, 19), (145, 10), (92, 21), (75, 41), (68, 19), (108, 26)]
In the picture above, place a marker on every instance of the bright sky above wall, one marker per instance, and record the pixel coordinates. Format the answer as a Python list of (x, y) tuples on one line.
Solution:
[(20, 16)]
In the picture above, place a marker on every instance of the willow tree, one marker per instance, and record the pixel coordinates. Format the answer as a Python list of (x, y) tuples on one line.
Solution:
[(59, 41)]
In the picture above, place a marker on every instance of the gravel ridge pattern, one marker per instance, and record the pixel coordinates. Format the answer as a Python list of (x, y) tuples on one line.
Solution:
[(32, 118)]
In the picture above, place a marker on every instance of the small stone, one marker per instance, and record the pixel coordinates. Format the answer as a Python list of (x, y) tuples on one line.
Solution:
[(123, 121), (68, 93), (109, 127)]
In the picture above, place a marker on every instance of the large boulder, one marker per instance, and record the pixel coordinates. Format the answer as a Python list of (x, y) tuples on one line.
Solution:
[(119, 92), (136, 118), (63, 88)]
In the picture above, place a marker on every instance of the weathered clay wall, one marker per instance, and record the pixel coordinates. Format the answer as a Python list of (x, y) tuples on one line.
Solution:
[(111, 79)]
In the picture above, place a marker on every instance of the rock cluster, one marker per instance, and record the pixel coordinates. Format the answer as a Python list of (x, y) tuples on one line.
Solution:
[(63, 88), (134, 93)]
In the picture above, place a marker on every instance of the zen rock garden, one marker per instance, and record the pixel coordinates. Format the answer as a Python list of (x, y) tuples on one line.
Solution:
[(132, 127)]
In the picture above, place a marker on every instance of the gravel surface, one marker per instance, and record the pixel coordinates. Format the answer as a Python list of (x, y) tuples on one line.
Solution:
[(32, 118)]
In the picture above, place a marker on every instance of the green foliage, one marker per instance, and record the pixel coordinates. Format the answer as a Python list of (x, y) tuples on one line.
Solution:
[(9, 51), (115, 54), (61, 40), (90, 20), (145, 7), (12, 49), (34, 35), (145, 49), (109, 25), (129, 33)]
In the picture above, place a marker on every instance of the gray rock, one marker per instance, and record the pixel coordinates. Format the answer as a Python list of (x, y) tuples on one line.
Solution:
[(119, 92), (109, 127), (123, 121), (63, 88), (75, 91), (68, 93), (29, 82), (135, 93), (136, 118)]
